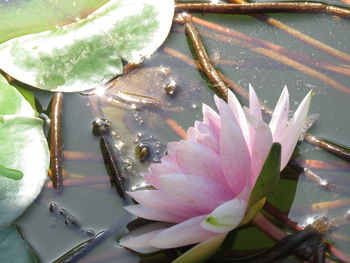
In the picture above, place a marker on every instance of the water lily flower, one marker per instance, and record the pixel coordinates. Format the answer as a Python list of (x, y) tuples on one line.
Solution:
[(203, 185)]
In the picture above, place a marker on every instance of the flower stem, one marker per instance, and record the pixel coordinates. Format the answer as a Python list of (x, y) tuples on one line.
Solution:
[(279, 215), (56, 141)]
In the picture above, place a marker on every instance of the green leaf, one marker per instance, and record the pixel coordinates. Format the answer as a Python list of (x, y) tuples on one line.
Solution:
[(10, 173), (268, 176), (24, 148), (12, 102), (89, 52), (202, 251), (25, 17), (13, 249)]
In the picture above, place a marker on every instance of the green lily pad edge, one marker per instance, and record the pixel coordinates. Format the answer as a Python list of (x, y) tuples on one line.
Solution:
[(24, 154)]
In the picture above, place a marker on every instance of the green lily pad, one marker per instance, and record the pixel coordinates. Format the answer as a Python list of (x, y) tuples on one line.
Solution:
[(20, 17), (89, 52), (12, 102), (268, 175), (23, 148), (13, 249)]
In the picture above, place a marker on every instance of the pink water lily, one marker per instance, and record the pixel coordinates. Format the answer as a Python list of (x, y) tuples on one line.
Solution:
[(203, 185)]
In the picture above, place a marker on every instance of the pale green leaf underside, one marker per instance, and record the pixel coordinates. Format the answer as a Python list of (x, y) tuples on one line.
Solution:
[(88, 53), (12, 102), (23, 148), (202, 251), (13, 248)]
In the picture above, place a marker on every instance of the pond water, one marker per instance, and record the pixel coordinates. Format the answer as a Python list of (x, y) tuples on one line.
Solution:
[(97, 206)]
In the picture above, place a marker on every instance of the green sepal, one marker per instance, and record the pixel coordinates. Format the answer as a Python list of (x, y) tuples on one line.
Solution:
[(268, 175)]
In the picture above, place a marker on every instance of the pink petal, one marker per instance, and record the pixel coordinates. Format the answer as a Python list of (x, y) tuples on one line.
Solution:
[(197, 159), (138, 239), (191, 134), (157, 169), (279, 119), (226, 217), (260, 144), (160, 200), (239, 114), (204, 135), (183, 234), (153, 214), (235, 157), (294, 129), (204, 193), (254, 105), (212, 119)]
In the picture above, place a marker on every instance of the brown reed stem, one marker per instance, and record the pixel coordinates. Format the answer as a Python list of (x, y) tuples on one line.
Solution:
[(332, 148), (298, 35), (88, 180), (203, 58), (176, 128), (322, 206), (316, 179), (56, 141), (231, 84), (258, 8), (325, 166), (81, 156), (269, 50)]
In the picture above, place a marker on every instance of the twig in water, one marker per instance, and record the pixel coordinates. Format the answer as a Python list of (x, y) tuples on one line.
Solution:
[(264, 48), (313, 177), (334, 148), (255, 8), (324, 166), (176, 128), (101, 127), (70, 220), (232, 85), (297, 34), (87, 180), (83, 249), (56, 141), (203, 57), (81, 156)]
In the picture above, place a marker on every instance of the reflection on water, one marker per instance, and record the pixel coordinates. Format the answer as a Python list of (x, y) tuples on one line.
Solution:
[(144, 105)]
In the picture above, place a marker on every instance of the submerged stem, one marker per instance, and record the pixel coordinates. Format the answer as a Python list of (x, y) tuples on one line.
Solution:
[(56, 141)]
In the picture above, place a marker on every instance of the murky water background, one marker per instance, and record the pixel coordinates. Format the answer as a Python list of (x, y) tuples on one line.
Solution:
[(98, 206)]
